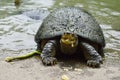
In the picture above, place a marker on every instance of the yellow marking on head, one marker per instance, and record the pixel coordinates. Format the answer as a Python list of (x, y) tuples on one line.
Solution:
[(69, 39)]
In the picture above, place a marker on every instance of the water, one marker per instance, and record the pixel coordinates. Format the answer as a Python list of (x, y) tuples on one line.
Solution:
[(17, 31)]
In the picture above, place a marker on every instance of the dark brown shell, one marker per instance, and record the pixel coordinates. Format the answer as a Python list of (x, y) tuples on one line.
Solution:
[(72, 20)]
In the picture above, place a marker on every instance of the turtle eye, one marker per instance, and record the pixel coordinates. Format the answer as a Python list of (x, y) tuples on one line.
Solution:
[(64, 37), (72, 35), (72, 39)]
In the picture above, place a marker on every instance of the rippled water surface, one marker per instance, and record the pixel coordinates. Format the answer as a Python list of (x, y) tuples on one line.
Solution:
[(17, 31)]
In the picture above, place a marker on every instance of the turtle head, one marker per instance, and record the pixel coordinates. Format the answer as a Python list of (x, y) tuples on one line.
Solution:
[(69, 42)]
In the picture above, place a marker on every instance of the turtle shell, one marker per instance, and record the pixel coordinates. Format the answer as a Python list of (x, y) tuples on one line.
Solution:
[(71, 20)]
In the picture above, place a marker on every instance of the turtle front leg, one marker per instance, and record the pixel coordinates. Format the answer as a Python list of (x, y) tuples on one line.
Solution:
[(91, 55), (48, 53)]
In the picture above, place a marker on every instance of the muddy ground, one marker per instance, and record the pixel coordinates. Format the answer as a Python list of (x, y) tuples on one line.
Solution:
[(17, 38), (33, 69)]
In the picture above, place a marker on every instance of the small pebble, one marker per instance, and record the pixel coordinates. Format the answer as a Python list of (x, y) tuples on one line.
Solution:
[(66, 70), (76, 69), (64, 77)]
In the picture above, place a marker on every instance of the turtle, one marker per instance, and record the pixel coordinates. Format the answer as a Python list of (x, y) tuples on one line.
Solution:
[(66, 31)]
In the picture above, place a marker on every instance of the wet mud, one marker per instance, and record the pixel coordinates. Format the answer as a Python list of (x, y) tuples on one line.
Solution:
[(17, 38)]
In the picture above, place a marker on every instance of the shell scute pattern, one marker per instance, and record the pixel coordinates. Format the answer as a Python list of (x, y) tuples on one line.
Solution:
[(72, 20)]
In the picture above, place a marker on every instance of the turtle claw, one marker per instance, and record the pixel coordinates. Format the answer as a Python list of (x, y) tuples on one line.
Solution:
[(93, 63), (49, 61)]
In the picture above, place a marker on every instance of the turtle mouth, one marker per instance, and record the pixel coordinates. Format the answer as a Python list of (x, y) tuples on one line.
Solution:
[(69, 40), (69, 43)]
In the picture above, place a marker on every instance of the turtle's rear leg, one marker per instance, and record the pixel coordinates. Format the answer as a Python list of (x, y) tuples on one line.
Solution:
[(93, 58), (48, 53)]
